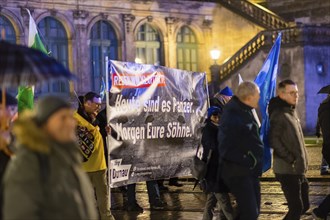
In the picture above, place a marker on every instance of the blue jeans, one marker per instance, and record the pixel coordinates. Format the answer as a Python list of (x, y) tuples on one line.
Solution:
[(153, 192)]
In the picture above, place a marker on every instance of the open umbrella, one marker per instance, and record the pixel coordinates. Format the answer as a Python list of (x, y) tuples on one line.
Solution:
[(21, 65), (325, 90), (10, 100)]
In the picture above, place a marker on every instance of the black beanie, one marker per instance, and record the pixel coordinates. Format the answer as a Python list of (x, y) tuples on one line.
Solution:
[(47, 106)]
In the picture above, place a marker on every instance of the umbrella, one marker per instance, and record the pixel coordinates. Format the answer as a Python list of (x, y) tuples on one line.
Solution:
[(325, 89), (10, 100), (21, 65)]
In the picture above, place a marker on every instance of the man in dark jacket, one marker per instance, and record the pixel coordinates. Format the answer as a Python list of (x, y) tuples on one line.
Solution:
[(241, 150), (324, 121), (216, 190), (290, 155), (45, 180)]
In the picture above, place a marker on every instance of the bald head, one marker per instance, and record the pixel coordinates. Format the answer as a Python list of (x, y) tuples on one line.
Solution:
[(248, 92)]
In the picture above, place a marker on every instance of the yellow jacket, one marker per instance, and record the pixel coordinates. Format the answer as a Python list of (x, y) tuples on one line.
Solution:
[(96, 161)]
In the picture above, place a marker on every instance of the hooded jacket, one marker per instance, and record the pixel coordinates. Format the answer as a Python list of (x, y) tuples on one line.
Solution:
[(44, 179), (324, 122), (240, 147), (286, 138)]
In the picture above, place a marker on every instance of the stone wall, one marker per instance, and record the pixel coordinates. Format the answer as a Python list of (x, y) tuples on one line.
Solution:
[(291, 65), (317, 58)]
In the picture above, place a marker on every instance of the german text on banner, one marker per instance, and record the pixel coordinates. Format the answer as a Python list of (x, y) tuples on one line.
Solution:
[(156, 115)]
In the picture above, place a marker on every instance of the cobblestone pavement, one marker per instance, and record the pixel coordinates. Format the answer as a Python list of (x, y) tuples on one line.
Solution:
[(186, 204)]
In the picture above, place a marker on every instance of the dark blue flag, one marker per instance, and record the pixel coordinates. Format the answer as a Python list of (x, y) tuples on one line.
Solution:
[(266, 80)]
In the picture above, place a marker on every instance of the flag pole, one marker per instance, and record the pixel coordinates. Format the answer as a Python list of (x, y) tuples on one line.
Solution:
[(107, 115)]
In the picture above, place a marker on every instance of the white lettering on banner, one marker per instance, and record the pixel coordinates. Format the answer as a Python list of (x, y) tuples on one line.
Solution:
[(124, 105), (175, 130), (130, 133), (155, 132), (181, 106), (118, 171)]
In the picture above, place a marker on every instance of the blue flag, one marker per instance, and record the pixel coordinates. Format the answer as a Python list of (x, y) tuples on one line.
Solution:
[(266, 80)]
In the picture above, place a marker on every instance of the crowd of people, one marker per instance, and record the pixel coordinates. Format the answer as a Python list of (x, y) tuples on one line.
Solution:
[(54, 159)]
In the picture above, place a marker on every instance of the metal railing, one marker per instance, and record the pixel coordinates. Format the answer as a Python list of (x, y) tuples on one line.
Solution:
[(256, 13), (293, 36)]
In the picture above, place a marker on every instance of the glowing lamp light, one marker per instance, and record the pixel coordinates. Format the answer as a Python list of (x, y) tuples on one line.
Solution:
[(138, 60), (215, 54)]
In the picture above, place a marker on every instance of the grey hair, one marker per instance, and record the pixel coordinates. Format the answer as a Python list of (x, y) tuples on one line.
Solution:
[(245, 89)]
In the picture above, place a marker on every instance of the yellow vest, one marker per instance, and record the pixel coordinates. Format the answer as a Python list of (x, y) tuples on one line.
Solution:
[(96, 161)]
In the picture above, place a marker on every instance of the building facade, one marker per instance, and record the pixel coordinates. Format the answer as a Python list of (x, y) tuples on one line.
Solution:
[(80, 34), (173, 33)]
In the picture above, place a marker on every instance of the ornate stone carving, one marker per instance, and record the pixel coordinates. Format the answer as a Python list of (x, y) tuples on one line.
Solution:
[(128, 19), (170, 21), (53, 12), (149, 18), (80, 14), (207, 23)]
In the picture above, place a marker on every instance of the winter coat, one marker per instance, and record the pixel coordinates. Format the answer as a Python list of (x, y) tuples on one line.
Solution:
[(324, 122), (96, 161), (210, 142), (44, 179), (240, 147), (286, 138)]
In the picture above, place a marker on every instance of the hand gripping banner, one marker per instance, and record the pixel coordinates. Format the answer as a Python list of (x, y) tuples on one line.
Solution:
[(156, 115)]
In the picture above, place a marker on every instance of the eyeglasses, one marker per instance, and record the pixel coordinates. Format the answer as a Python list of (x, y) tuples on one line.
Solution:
[(97, 104), (293, 93)]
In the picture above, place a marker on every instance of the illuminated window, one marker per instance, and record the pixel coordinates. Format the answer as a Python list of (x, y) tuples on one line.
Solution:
[(148, 45), (186, 49)]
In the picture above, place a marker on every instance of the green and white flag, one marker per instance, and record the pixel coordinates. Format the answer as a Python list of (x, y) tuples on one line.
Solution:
[(25, 97)]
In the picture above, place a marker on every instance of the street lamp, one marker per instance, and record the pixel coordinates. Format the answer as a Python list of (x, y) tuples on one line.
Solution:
[(215, 72), (138, 60), (215, 54)]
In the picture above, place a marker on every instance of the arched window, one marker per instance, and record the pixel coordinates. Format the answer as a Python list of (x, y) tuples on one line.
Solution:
[(186, 49), (103, 43), (7, 27), (148, 45), (55, 40)]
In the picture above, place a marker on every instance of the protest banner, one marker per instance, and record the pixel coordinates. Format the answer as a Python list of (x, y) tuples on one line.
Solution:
[(156, 115)]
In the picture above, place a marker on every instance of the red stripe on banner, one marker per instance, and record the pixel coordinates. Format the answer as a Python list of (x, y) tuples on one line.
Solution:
[(126, 80)]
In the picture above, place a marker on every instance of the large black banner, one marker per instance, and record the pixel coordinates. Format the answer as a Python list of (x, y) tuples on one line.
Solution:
[(156, 114)]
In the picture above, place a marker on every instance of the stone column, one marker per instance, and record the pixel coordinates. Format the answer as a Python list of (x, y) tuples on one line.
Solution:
[(128, 42), (204, 54), (170, 45), (81, 55)]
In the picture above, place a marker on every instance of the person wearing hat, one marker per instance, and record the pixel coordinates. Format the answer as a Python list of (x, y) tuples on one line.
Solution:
[(44, 179), (215, 188), (221, 98)]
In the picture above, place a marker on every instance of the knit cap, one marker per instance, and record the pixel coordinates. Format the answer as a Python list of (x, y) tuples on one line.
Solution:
[(47, 106), (213, 110), (226, 91)]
